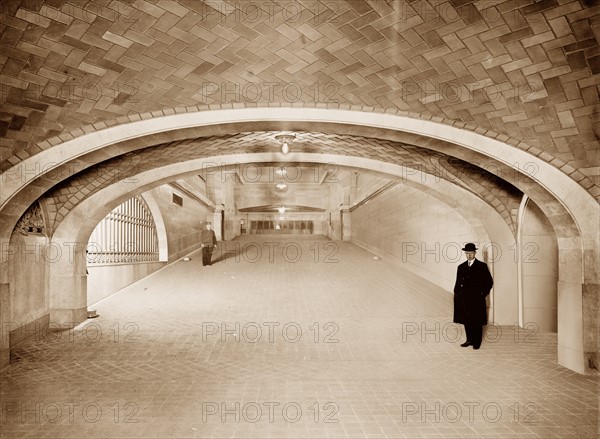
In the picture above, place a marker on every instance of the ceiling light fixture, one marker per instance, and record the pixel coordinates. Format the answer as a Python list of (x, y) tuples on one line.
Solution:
[(281, 186), (285, 140), (281, 209)]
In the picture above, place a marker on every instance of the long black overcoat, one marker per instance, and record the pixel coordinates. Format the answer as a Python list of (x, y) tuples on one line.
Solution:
[(472, 286)]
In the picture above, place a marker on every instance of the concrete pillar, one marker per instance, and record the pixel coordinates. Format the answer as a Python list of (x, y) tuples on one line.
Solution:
[(570, 306), (218, 221), (5, 255), (538, 262), (353, 188), (210, 186), (68, 300), (346, 229), (68, 286), (335, 224), (591, 313), (570, 326), (4, 319), (231, 228)]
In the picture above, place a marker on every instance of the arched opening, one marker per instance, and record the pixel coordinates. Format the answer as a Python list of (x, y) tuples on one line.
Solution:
[(538, 259), (489, 227), (564, 202), (122, 248)]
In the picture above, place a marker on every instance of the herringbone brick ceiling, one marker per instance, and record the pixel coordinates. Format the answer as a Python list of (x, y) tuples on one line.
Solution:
[(528, 69), (64, 197)]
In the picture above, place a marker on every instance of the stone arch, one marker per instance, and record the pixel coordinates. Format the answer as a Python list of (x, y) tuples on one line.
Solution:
[(78, 224), (572, 210), (496, 236), (161, 229), (159, 223), (93, 128), (104, 279), (65, 151)]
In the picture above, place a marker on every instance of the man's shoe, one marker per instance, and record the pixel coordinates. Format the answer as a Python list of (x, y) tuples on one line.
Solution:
[(465, 344), (476, 347)]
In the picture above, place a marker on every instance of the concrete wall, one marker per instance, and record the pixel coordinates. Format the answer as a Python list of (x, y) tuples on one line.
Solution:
[(231, 225), (313, 195), (105, 280), (540, 270), (183, 223), (319, 219), (415, 230), (367, 184), (336, 199)]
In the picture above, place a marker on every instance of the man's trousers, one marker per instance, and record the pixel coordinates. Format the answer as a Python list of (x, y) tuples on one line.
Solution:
[(207, 255), (474, 334)]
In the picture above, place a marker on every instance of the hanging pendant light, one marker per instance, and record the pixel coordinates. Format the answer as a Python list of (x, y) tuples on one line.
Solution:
[(285, 140)]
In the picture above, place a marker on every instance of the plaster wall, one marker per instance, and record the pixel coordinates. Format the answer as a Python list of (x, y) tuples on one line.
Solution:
[(416, 230), (183, 223), (366, 185), (336, 197), (231, 222), (313, 195), (105, 280), (318, 219)]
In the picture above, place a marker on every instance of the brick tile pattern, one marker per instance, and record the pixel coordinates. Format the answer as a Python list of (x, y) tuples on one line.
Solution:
[(502, 196), (524, 69), (150, 348)]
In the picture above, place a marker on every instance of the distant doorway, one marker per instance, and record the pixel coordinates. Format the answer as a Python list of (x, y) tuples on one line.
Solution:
[(282, 227)]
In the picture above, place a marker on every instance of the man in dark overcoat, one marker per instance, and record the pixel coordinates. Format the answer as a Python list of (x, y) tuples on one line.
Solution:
[(209, 241), (473, 284)]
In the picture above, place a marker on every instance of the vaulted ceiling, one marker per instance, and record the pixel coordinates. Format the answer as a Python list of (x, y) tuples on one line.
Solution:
[(64, 197), (518, 69)]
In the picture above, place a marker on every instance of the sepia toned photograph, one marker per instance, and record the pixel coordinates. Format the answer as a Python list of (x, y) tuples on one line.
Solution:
[(294, 219)]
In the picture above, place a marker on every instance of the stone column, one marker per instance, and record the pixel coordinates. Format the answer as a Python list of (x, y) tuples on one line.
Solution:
[(217, 221), (68, 286), (591, 311), (4, 318), (346, 231), (210, 186)]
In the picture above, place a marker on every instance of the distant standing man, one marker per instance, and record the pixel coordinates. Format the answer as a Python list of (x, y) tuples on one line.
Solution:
[(209, 241), (473, 284)]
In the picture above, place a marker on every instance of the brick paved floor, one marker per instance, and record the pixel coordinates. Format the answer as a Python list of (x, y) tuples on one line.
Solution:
[(312, 338)]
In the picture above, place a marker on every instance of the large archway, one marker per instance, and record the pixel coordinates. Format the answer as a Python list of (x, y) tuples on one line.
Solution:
[(571, 209)]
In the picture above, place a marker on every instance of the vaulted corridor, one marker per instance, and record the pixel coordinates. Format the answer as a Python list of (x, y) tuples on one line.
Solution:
[(346, 154), (290, 336)]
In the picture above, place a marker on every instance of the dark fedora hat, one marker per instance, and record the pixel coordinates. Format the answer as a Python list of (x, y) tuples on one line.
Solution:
[(470, 247)]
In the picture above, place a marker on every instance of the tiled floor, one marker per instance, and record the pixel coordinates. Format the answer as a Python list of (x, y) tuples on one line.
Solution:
[(289, 337)]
